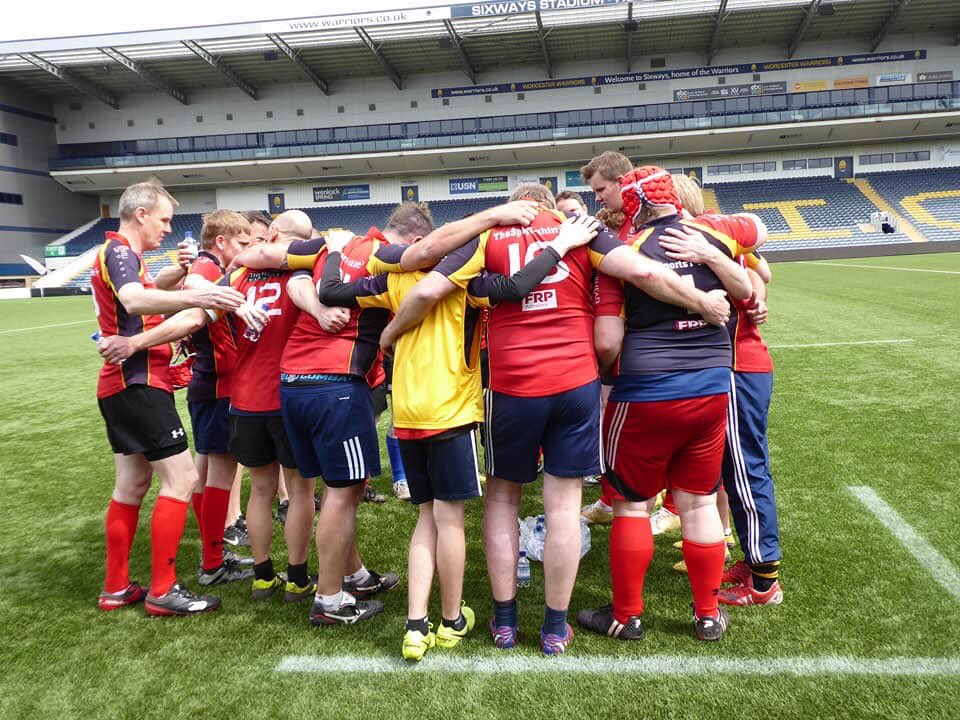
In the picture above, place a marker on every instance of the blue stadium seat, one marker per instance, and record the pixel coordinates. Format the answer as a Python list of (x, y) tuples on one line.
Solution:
[(929, 199)]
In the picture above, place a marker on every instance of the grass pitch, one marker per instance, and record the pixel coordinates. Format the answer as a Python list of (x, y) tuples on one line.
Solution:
[(882, 415)]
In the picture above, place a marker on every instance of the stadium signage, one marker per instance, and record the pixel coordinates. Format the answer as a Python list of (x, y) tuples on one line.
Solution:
[(935, 76), (681, 74), (338, 193), (466, 186), (893, 78), (729, 91), (515, 7)]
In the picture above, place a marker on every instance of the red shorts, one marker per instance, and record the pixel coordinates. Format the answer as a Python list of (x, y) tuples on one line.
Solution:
[(676, 444)]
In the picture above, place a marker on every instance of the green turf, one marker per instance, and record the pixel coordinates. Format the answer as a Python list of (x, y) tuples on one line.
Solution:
[(878, 415)]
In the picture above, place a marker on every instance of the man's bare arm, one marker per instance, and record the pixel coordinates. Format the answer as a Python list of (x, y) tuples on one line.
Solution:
[(663, 284), (263, 256), (607, 340), (442, 241), (415, 306), (170, 277), (138, 300), (303, 293), (117, 348)]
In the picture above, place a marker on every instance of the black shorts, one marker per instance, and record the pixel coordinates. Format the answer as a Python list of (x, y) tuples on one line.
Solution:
[(258, 440), (211, 426), (379, 397), (443, 467), (143, 420)]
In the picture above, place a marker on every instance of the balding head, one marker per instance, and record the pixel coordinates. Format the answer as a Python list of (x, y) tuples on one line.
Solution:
[(291, 225)]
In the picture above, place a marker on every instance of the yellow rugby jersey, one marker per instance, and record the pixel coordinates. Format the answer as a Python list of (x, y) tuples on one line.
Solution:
[(436, 369)]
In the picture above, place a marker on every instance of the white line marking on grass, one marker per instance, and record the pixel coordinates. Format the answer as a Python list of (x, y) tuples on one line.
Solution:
[(668, 665), (850, 342), (880, 267), (44, 327), (923, 552)]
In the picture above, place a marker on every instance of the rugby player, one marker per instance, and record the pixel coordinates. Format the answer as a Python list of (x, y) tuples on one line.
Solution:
[(746, 462), (528, 409), (136, 401), (665, 423), (435, 424)]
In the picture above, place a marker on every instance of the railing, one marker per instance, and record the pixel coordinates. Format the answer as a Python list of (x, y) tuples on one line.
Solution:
[(522, 128)]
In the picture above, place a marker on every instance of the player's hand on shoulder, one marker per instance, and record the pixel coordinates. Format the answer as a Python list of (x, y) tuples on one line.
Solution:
[(685, 243), (115, 348), (336, 240), (716, 310), (516, 212), (575, 232)]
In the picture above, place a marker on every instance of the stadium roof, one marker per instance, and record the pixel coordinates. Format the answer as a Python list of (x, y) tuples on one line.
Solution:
[(473, 38)]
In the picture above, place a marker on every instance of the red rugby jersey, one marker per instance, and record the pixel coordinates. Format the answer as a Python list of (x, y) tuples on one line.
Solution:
[(543, 345), (117, 265), (215, 344), (355, 350), (256, 374), (608, 291), (750, 353)]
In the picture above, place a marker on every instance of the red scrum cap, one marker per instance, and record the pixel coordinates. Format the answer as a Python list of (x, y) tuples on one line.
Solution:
[(648, 185)]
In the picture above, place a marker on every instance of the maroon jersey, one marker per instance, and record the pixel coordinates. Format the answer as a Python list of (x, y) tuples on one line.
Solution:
[(117, 265), (355, 350), (215, 344), (544, 345)]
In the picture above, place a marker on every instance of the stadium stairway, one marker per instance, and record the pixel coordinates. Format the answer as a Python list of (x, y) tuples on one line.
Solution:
[(929, 199)]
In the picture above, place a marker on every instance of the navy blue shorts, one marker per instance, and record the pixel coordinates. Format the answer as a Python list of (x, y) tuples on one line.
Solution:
[(332, 431), (566, 426), (442, 467), (211, 426)]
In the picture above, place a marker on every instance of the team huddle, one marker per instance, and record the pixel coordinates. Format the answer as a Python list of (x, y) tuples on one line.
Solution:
[(291, 326)]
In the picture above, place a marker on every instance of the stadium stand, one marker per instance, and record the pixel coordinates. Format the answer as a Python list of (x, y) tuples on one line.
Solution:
[(805, 213), (929, 199)]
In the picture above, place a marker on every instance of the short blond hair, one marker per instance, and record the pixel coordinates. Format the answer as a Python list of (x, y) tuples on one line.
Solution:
[(690, 194), (227, 223), (534, 191), (145, 195), (609, 164), (411, 219)]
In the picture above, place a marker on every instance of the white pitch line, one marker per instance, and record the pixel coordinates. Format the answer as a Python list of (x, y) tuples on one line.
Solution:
[(850, 342), (879, 267), (665, 665), (923, 552), (44, 327)]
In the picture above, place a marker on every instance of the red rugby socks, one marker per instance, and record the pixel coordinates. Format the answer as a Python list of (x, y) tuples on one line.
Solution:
[(166, 529), (121, 526), (216, 502), (704, 568), (631, 550)]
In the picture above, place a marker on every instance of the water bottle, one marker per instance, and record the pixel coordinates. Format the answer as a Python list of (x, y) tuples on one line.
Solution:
[(252, 334), (190, 241), (523, 570), (96, 336)]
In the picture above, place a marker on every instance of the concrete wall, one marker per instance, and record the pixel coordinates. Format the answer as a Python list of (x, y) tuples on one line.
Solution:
[(48, 209)]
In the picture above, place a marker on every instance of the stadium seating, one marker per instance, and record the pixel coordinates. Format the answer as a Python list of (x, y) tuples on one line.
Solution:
[(929, 199), (803, 213)]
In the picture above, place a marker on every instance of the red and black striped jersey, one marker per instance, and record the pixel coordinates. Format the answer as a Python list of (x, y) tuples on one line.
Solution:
[(116, 265), (215, 344)]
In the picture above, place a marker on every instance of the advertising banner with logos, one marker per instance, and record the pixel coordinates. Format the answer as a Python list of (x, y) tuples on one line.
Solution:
[(341, 193), (893, 79), (861, 81), (467, 186), (681, 74), (729, 91)]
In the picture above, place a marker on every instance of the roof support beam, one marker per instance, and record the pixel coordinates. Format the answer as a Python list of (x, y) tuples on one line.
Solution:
[(294, 56), (722, 15), (887, 24), (804, 25), (630, 27), (218, 64), (137, 68), (458, 45), (381, 58), (74, 81), (543, 45)]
